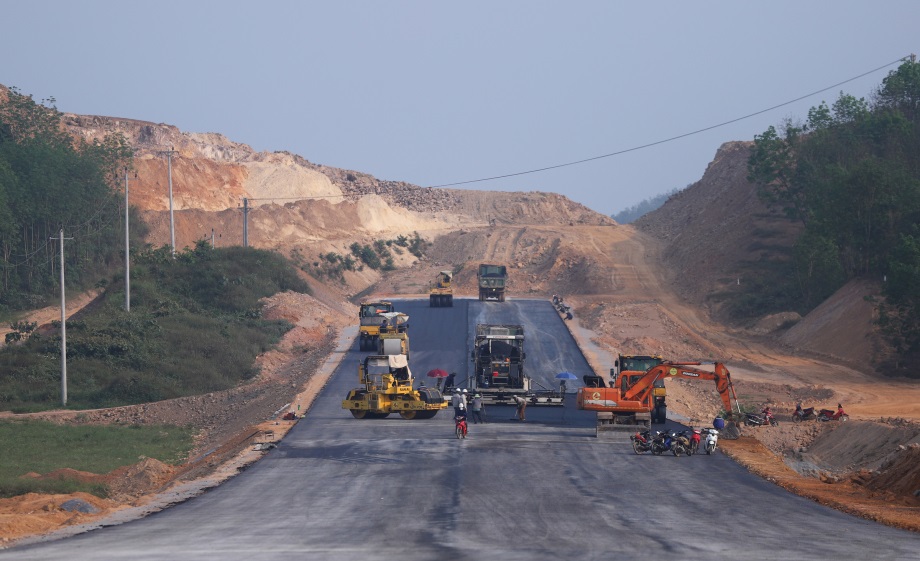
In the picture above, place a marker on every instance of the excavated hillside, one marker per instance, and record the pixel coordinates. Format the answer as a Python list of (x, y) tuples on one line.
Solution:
[(713, 232), (644, 289)]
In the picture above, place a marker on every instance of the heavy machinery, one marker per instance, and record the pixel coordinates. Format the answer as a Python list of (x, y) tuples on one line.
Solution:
[(394, 343), (627, 369), (630, 402), (373, 316), (498, 367), (386, 387), (492, 280), (442, 295)]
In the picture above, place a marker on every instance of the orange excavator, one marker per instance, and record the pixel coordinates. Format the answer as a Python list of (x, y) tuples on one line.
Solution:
[(632, 401)]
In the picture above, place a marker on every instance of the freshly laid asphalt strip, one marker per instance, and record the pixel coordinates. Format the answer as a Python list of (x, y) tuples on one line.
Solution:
[(341, 488)]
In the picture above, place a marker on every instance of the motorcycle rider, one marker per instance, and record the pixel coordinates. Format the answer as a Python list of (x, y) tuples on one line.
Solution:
[(840, 412)]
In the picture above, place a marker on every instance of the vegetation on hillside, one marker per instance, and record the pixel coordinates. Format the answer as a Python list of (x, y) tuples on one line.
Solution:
[(51, 182), (377, 256), (633, 213), (194, 327), (851, 175)]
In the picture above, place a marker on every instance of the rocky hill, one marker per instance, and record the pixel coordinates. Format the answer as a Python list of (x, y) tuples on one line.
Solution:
[(212, 174), (716, 229)]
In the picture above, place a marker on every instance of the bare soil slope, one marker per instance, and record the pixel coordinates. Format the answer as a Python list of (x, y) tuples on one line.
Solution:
[(634, 290)]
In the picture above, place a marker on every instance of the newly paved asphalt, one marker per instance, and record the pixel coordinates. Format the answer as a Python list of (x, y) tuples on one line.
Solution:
[(341, 488)]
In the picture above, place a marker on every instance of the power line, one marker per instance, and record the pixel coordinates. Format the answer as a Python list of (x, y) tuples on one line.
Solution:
[(673, 138)]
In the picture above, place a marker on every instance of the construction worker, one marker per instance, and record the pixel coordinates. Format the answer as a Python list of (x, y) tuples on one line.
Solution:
[(521, 403), (478, 410)]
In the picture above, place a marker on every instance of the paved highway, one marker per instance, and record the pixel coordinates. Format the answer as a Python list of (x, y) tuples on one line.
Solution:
[(341, 488)]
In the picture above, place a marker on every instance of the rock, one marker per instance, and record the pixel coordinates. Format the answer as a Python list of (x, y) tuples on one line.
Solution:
[(79, 505)]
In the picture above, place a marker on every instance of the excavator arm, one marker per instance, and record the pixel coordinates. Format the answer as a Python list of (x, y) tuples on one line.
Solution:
[(722, 377)]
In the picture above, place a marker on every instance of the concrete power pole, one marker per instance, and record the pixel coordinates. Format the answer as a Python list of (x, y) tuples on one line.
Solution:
[(245, 222), (172, 224), (127, 248), (63, 325)]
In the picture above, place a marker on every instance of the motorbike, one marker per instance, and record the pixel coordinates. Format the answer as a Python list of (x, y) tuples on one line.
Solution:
[(460, 427), (831, 415), (754, 420), (682, 443), (695, 437), (669, 441), (712, 440), (661, 442), (641, 442), (803, 414)]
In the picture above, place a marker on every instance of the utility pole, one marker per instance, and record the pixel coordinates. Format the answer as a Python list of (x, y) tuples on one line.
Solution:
[(245, 222), (127, 248), (172, 224), (63, 325)]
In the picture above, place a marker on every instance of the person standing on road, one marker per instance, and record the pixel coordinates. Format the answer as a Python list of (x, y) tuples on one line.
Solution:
[(521, 403), (477, 409), (458, 403)]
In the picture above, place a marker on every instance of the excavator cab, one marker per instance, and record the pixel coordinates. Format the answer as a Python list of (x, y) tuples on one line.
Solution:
[(592, 381)]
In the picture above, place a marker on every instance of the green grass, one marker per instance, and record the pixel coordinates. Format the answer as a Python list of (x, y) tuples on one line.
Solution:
[(42, 447), (195, 326)]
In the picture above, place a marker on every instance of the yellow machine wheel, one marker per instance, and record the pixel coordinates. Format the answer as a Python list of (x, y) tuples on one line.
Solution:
[(408, 415), (358, 413)]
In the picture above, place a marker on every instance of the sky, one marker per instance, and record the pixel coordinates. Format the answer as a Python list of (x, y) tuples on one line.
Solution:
[(436, 93)]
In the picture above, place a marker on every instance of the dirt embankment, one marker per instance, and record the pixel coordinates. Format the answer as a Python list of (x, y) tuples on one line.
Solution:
[(620, 280)]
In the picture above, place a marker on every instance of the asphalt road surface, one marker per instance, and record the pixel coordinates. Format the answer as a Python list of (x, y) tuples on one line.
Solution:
[(341, 488)]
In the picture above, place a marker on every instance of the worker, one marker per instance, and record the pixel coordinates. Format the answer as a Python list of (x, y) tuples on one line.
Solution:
[(384, 324), (521, 403), (449, 382), (458, 403), (477, 408)]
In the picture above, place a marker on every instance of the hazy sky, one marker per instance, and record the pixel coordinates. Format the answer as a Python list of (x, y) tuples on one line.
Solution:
[(439, 92)]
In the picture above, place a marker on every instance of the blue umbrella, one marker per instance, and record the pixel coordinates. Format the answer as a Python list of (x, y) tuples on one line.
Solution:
[(566, 376)]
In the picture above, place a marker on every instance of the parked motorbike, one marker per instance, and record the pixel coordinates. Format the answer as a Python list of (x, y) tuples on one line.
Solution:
[(831, 415), (754, 420), (800, 414), (681, 443), (712, 440), (642, 442), (661, 442), (695, 437)]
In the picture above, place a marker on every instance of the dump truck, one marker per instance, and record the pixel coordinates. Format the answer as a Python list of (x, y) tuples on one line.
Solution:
[(498, 367), (492, 280), (386, 387), (627, 403), (441, 294), (374, 316)]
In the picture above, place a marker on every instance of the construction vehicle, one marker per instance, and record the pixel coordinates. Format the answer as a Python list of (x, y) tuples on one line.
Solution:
[(498, 367), (386, 387), (373, 316), (442, 295), (492, 280), (627, 369), (627, 403), (393, 344)]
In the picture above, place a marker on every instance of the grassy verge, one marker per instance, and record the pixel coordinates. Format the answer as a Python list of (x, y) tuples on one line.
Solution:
[(195, 326), (42, 447)]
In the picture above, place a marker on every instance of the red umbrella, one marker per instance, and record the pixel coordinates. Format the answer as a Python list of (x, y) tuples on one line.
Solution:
[(437, 373)]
